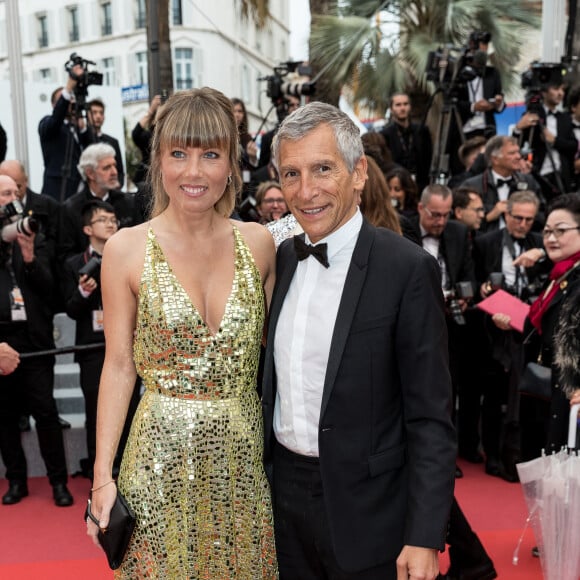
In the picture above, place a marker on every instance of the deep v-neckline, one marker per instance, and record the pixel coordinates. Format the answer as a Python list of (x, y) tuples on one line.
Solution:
[(209, 331)]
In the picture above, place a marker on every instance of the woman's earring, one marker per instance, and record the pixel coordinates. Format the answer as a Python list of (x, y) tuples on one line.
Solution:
[(229, 181)]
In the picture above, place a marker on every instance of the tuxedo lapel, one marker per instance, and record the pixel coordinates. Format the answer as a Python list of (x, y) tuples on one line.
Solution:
[(353, 285)]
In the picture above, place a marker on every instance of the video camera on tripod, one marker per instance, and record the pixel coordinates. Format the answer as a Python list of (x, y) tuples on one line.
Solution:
[(284, 83), (84, 79), (12, 222), (540, 76)]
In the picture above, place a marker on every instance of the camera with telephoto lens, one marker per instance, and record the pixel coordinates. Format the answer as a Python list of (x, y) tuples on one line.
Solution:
[(280, 86), (462, 291), (84, 79), (92, 269), (12, 222)]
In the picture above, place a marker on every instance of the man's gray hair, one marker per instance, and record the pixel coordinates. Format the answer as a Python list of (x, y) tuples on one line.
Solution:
[(524, 196), (91, 157), (311, 116), (434, 189), (495, 145)]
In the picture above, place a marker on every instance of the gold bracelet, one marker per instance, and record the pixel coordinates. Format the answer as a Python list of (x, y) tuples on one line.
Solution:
[(101, 486)]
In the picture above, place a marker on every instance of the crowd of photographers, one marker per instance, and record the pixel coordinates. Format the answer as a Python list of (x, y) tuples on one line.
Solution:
[(485, 233)]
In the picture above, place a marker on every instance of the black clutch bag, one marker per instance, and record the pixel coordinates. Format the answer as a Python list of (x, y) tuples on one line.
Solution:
[(536, 381), (116, 537)]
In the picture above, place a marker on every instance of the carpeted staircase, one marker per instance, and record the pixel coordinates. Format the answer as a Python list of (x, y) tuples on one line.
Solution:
[(69, 399)]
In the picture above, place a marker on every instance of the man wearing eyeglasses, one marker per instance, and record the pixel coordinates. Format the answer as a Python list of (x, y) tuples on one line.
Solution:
[(517, 254), (99, 171)]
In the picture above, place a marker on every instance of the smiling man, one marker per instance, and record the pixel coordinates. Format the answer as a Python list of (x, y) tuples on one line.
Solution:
[(358, 437)]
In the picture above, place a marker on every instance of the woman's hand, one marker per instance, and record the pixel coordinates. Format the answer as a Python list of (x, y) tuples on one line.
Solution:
[(575, 398), (102, 501)]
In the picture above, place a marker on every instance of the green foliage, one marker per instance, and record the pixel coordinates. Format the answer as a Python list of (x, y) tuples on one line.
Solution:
[(376, 47)]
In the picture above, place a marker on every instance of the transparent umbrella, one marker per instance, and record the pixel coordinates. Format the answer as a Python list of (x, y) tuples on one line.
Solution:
[(551, 485)]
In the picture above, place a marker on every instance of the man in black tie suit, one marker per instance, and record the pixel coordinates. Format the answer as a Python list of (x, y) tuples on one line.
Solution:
[(549, 133), (358, 438), (574, 106), (500, 180), (516, 252)]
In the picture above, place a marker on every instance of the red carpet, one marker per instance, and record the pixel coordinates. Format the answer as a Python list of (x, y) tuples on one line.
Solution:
[(41, 541)]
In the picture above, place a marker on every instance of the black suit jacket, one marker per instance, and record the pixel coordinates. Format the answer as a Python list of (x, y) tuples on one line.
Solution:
[(36, 284), (77, 306), (55, 134), (421, 151), (485, 186), (46, 210), (488, 253), (72, 239), (455, 248), (386, 440)]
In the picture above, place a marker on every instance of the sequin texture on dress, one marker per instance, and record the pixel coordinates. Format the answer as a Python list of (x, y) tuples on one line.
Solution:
[(192, 469)]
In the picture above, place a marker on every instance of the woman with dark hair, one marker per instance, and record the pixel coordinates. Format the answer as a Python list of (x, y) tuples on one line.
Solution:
[(403, 191), (184, 299), (247, 142), (550, 328), (375, 146)]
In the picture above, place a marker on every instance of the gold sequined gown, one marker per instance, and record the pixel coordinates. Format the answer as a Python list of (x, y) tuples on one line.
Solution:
[(192, 469)]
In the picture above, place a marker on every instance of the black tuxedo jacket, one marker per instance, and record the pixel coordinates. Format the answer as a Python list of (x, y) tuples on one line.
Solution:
[(386, 440), (422, 150), (36, 284), (46, 210), (77, 306), (455, 248), (72, 239), (488, 252), (54, 136), (491, 87), (484, 185), (565, 144), (110, 140)]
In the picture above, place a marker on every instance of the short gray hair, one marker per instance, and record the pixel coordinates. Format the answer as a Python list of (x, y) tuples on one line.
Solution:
[(434, 189), (524, 196), (91, 157), (311, 116), (495, 145)]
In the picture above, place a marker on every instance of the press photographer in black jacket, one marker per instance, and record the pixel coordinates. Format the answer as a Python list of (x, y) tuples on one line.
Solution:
[(26, 325)]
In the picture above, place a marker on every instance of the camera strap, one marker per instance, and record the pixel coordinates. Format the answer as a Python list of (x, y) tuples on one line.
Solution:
[(17, 310), (521, 278)]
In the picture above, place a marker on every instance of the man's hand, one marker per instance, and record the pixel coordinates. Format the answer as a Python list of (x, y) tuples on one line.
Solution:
[(416, 563), (549, 136), (502, 321), (26, 243), (529, 258), (483, 105), (9, 359), (527, 120), (88, 285), (498, 209)]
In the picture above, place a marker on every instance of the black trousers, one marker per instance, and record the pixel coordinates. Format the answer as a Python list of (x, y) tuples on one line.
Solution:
[(303, 538), (31, 387)]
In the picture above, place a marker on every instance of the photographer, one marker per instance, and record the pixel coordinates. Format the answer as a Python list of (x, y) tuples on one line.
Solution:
[(26, 325), (99, 171), (511, 259), (480, 98), (547, 131), (83, 303), (63, 136)]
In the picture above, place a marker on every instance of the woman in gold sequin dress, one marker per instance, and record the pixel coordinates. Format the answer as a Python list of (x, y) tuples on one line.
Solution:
[(184, 302)]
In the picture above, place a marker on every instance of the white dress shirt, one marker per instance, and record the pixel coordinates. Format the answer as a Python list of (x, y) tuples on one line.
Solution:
[(554, 164), (303, 337)]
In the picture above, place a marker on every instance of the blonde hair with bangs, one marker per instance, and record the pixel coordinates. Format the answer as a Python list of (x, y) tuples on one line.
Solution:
[(196, 118)]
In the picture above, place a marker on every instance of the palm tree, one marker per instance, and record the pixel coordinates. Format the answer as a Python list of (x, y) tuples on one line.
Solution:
[(376, 47), (258, 10)]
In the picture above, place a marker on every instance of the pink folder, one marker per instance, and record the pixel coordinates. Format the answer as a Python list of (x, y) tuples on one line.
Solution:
[(502, 302)]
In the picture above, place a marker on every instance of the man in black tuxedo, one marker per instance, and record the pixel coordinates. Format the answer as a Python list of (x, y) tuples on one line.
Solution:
[(410, 143), (63, 136), (26, 325), (515, 252), (549, 133), (96, 117), (358, 438), (500, 180), (98, 168)]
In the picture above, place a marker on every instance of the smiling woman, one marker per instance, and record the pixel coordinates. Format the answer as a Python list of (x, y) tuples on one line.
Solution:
[(184, 298)]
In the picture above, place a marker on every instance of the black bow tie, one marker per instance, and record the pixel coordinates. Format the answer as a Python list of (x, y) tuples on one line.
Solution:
[(303, 250), (553, 113), (95, 254), (501, 182)]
